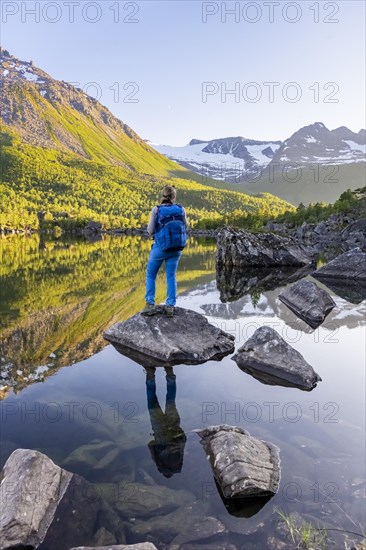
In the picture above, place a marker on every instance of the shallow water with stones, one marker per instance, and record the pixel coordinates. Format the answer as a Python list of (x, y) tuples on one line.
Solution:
[(70, 395)]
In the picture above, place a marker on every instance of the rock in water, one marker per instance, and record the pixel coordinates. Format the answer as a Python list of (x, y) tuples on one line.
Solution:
[(245, 249), (46, 506), (187, 337), (267, 357), (243, 466), (350, 265), (308, 301)]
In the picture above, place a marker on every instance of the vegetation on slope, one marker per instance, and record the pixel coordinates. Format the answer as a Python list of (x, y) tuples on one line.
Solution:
[(71, 191), (349, 201)]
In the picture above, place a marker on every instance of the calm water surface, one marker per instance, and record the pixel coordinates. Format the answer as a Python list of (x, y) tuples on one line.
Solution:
[(95, 412)]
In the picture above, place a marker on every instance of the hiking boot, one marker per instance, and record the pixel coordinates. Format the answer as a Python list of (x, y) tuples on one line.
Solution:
[(150, 309), (169, 311)]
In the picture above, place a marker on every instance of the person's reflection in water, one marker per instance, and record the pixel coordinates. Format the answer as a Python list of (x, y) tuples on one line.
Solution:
[(167, 447)]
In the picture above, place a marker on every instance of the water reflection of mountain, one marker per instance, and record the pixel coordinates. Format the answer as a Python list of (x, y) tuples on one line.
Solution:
[(59, 295)]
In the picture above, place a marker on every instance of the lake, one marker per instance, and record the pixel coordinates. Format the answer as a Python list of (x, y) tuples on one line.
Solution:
[(68, 394)]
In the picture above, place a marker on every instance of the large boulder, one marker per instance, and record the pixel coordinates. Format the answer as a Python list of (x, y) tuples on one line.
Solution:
[(308, 301), (244, 249), (268, 358), (355, 232), (155, 340), (44, 506), (243, 466), (350, 265)]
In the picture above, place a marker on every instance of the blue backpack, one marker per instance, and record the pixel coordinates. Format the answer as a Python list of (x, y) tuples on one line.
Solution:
[(170, 228)]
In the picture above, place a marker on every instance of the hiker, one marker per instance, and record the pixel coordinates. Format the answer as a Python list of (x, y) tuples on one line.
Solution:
[(167, 447), (168, 227)]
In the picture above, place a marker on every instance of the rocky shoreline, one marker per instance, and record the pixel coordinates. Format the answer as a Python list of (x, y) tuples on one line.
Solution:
[(342, 229)]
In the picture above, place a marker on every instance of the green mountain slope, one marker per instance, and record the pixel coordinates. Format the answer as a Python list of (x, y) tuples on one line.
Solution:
[(65, 154)]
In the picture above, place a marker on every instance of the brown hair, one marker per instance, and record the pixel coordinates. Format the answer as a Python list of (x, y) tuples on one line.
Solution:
[(168, 194)]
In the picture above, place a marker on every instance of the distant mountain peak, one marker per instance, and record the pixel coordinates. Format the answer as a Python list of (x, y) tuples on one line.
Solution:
[(197, 141)]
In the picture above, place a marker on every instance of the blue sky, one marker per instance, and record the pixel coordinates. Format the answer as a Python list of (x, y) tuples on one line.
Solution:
[(163, 59)]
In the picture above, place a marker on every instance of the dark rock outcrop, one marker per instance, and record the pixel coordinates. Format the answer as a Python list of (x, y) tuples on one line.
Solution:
[(243, 466), (92, 228), (267, 357), (244, 249), (308, 301), (350, 265), (159, 340), (48, 507)]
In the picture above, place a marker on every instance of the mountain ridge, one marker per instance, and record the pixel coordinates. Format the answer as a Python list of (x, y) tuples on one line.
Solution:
[(234, 155)]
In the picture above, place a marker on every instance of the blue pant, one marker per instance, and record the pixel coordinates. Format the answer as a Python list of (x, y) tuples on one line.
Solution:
[(157, 257)]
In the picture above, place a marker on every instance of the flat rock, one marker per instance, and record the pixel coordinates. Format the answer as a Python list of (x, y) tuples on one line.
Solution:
[(159, 340), (48, 507), (245, 249), (308, 301), (267, 357), (350, 265), (243, 466)]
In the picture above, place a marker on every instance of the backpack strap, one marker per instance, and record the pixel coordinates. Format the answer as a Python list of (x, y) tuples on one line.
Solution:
[(156, 218)]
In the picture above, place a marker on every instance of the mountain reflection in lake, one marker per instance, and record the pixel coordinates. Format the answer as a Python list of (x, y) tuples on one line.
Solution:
[(129, 430)]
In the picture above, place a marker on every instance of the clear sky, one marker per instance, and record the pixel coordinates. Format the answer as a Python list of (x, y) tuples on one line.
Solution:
[(166, 67)]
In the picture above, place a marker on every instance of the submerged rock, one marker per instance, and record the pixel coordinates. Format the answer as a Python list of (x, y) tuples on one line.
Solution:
[(159, 340), (48, 507), (350, 265), (243, 466), (308, 301), (268, 358), (190, 523), (143, 501), (245, 249)]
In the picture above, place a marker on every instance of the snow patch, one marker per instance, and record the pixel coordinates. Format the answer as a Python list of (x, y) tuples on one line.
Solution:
[(31, 77), (356, 146)]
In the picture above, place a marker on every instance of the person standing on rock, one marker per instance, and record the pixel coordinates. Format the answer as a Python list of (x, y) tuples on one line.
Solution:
[(168, 227)]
